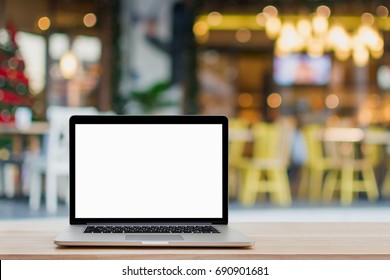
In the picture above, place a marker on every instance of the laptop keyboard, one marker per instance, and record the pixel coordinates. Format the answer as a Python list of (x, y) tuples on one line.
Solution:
[(150, 229)]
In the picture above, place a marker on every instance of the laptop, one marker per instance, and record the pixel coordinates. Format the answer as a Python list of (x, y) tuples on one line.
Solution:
[(149, 181)]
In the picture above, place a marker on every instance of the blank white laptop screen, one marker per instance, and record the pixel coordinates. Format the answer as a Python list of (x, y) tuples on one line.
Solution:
[(148, 170)]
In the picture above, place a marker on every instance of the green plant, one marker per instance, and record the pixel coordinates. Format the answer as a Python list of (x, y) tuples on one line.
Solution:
[(151, 98)]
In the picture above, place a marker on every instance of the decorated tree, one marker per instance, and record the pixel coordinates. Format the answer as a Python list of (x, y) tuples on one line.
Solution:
[(14, 89)]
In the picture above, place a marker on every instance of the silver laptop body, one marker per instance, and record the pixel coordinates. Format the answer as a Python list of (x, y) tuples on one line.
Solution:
[(149, 181)]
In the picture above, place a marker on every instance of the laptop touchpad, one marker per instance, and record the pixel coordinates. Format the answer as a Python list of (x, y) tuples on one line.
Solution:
[(153, 237)]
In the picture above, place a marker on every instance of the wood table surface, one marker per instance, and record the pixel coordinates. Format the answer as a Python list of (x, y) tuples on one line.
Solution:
[(33, 239)]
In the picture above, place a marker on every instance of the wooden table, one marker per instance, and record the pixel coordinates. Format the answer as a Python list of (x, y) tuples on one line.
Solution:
[(33, 133), (33, 239), (28, 139), (36, 128)]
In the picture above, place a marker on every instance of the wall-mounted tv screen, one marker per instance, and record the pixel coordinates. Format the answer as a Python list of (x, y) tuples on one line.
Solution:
[(302, 69)]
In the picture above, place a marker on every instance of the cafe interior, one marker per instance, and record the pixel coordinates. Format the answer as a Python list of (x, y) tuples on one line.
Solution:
[(305, 85)]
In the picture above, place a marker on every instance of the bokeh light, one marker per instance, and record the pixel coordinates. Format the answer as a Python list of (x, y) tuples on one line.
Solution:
[(44, 23), (243, 35), (382, 11), (214, 18), (332, 101), (274, 100), (323, 11), (245, 100), (201, 28), (271, 11), (368, 19), (90, 20)]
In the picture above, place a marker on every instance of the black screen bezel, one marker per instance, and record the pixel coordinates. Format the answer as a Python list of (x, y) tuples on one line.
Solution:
[(116, 119)]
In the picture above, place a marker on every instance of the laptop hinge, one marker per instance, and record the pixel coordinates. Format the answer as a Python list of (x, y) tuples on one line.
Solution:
[(147, 224)]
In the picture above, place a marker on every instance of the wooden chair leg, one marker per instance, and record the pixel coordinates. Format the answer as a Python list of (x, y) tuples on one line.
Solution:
[(233, 179), (386, 184), (329, 185), (370, 184), (315, 185), (346, 194), (280, 187), (248, 196)]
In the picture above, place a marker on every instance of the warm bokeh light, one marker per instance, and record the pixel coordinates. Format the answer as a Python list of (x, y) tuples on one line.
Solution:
[(338, 38), (68, 65), (342, 55), (316, 47), (89, 20), (382, 11), (273, 26), (243, 35), (271, 11), (364, 116), (320, 24), (289, 40), (245, 100), (274, 100), (386, 110), (316, 37), (368, 19), (360, 55), (332, 101), (214, 18), (323, 11), (44, 23), (261, 19), (304, 27), (201, 29), (376, 54)]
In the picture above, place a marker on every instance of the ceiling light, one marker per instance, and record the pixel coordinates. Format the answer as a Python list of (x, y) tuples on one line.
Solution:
[(44, 23), (89, 20), (68, 65), (214, 18)]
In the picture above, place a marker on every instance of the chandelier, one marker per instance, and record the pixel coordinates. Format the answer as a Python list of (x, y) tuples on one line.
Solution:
[(318, 33)]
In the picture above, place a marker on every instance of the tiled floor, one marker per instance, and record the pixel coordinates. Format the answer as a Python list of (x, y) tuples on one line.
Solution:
[(298, 212), (362, 211)]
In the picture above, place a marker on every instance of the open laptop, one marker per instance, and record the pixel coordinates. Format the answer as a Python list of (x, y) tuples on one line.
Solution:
[(149, 181)]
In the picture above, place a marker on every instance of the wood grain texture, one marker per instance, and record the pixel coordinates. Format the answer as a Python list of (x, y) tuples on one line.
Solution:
[(33, 239)]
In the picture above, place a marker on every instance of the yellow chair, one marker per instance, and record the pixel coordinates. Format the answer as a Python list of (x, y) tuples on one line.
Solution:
[(386, 182), (377, 143), (266, 171), (239, 135), (355, 169), (317, 165)]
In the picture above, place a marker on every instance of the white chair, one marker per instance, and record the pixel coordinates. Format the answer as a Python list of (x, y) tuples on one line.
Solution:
[(9, 170), (55, 162)]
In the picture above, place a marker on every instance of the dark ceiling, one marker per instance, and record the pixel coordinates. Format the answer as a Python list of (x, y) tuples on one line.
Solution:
[(345, 7), (65, 15)]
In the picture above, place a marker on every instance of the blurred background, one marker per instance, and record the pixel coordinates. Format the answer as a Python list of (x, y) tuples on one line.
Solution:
[(305, 84)]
